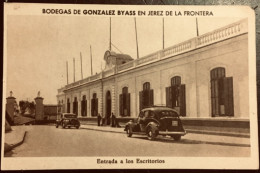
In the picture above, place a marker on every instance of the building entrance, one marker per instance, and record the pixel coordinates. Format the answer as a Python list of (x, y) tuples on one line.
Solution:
[(108, 107)]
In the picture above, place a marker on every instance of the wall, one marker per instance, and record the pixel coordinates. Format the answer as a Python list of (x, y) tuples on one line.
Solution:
[(194, 66)]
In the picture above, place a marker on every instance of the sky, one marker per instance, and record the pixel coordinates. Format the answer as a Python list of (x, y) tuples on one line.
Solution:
[(38, 46)]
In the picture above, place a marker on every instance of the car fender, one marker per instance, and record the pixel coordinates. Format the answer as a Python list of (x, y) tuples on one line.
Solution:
[(129, 124), (153, 126), (65, 122)]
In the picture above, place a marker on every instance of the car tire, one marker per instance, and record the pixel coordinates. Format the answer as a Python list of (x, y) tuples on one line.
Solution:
[(57, 126), (128, 131), (150, 134), (77, 127), (177, 137)]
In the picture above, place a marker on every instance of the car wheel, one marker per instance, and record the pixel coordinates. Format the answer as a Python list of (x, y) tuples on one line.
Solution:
[(69, 127), (57, 126), (128, 131), (177, 137), (150, 134), (77, 127)]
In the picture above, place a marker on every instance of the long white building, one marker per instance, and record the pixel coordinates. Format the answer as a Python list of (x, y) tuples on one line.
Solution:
[(203, 78)]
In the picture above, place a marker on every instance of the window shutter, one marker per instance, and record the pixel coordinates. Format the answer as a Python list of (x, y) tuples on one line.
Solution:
[(82, 108), (182, 101), (141, 100), (128, 103), (168, 96), (77, 108), (86, 107), (92, 107), (121, 104), (150, 97), (96, 107), (213, 111), (72, 107), (215, 97), (228, 94), (174, 95)]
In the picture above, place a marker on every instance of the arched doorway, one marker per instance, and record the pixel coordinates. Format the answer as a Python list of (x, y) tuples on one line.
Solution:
[(108, 107)]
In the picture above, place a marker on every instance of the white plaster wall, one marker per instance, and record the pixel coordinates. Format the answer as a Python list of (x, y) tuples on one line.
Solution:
[(233, 57), (193, 67)]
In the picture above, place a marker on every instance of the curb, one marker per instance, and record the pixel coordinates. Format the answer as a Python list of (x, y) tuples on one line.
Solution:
[(102, 130), (15, 145), (243, 135)]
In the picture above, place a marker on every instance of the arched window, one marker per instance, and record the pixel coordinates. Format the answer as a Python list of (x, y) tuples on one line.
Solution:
[(146, 96), (175, 95), (176, 81), (75, 106), (124, 102), (68, 105), (84, 106), (221, 93), (94, 105), (146, 86)]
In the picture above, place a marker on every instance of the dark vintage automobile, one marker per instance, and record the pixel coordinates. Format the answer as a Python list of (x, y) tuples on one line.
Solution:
[(67, 120), (156, 121)]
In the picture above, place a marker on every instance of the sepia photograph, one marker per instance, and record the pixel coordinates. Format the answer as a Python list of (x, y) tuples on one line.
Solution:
[(101, 87)]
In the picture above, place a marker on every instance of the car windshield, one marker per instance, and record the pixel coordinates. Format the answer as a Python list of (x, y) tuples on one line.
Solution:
[(167, 113), (70, 116)]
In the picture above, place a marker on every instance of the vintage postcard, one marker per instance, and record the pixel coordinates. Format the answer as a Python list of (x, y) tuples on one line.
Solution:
[(129, 87)]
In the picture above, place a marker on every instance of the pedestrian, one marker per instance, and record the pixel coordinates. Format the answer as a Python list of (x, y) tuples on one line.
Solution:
[(108, 119), (103, 119), (115, 121), (99, 119), (113, 117)]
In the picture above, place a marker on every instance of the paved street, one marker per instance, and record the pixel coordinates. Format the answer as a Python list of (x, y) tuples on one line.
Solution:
[(46, 141)]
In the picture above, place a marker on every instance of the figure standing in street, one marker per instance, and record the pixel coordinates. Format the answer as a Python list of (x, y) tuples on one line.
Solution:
[(108, 119), (99, 119), (115, 121), (113, 117), (103, 119)]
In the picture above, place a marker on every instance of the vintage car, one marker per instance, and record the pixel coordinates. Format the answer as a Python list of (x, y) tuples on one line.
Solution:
[(67, 120), (155, 121)]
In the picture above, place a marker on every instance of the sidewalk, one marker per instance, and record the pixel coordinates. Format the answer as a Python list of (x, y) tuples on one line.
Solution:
[(14, 138), (197, 137), (121, 130)]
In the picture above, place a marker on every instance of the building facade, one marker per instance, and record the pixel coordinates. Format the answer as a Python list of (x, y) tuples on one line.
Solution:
[(204, 77)]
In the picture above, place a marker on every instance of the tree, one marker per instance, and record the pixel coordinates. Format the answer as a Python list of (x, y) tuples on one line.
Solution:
[(26, 105)]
